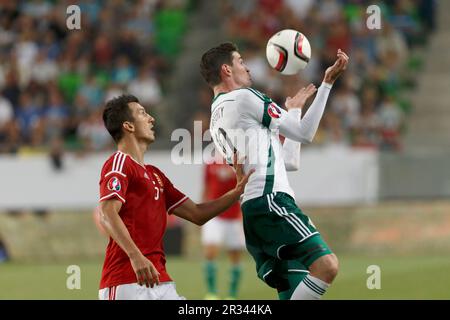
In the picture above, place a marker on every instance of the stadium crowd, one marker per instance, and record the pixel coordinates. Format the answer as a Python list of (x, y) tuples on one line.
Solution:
[(54, 81)]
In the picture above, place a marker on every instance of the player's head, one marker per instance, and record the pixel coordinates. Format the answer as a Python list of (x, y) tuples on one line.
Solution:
[(224, 64), (124, 116)]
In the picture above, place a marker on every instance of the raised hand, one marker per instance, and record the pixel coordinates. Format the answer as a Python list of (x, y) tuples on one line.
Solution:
[(300, 98), (333, 72)]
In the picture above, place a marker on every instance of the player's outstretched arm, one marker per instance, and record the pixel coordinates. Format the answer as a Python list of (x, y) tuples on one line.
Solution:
[(146, 273), (291, 148), (200, 213), (305, 130)]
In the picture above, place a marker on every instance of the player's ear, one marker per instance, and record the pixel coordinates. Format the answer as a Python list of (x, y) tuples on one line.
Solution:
[(226, 70), (128, 126)]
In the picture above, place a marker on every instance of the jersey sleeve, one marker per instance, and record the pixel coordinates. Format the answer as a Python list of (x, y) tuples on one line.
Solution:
[(305, 130), (114, 178), (173, 197)]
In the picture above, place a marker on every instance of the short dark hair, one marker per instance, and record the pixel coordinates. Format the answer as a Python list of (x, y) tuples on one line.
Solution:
[(116, 112), (213, 59)]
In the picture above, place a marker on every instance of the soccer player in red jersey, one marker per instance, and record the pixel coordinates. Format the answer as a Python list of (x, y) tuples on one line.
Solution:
[(135, 199), (226, 229)]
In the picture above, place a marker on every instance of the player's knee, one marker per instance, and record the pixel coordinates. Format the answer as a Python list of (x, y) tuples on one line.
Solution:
[(331, 267)]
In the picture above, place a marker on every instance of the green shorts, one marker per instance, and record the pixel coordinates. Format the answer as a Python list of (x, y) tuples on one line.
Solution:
[(280, 238)]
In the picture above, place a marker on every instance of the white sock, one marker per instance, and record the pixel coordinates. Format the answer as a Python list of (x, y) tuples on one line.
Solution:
[(311, 288)]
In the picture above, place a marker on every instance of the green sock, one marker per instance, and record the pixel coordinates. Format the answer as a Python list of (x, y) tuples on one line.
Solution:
[(210, 276), (235, 276), (294, 279)]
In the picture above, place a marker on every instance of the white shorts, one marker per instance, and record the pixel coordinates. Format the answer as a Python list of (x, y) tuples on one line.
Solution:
[(227, 232), (133, 291)]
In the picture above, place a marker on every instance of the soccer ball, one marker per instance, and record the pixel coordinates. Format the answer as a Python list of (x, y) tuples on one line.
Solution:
[(288, 51)]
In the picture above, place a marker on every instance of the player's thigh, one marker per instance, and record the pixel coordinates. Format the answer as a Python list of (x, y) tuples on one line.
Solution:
[(273, 221), (212, 232), (168, 291), (234, 238)]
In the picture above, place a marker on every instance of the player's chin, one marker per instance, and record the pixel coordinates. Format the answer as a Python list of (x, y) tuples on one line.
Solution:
[(151, 137)]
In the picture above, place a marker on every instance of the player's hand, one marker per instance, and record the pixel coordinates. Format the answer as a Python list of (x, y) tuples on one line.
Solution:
[(299, 100), (146, 273), (333, 72), (241, 178)]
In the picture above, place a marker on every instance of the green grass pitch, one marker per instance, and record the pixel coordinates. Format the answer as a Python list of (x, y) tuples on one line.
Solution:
[(401, 278)]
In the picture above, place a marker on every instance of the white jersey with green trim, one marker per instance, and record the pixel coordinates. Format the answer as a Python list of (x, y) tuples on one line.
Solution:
[(247, 121)]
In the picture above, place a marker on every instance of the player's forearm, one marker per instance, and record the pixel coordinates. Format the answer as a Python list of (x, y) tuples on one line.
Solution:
[(210, 209), (114, 226), (291, 148), (305, 130)]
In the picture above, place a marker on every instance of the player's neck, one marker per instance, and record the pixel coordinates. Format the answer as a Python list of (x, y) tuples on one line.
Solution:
[(134, 149), (225, 87)]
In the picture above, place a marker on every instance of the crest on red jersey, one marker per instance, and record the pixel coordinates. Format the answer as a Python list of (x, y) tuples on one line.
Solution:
[(274, 111), (159, 179), (114, 184)]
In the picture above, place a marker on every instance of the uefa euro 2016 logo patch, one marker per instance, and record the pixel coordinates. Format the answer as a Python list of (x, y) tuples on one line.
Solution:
[(114, 184), (159, 179), (274, 111)]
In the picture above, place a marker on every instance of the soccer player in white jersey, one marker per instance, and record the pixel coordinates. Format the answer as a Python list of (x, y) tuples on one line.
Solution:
[(290, 254)]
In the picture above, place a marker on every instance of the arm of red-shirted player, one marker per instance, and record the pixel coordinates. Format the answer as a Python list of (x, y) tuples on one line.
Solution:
[(200, 213), (206, 178), (146, 272)]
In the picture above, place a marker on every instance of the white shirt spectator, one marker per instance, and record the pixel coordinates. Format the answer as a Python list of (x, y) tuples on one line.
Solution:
[(146, 89), (390, 116), (44, 70), (347, 105), (6, 111), (300, 8)]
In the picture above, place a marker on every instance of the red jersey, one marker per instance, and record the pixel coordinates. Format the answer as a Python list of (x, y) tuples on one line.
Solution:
[(147, 196), (219, 179)]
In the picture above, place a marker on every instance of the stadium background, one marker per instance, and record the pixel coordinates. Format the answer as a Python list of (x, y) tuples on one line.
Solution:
[(376, 180)]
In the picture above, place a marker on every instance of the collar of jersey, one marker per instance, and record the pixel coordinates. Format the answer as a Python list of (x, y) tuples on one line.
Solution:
[(143, 166), (222, 93)]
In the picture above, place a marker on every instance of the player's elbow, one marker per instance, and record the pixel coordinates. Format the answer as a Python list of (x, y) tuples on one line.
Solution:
[(307, 139), (198, 217), (200, 222), (292, 166)]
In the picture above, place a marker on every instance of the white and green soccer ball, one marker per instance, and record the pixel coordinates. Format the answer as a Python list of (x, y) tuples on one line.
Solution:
[(288, 51)]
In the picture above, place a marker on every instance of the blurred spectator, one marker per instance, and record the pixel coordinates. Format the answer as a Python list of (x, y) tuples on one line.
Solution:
[(146, 87), (346, 105), (55, 116), (29, 120), (123, 72), (391, 120), (6, 120), (93, 133), (391, 45), (92, 92), (44, 69)]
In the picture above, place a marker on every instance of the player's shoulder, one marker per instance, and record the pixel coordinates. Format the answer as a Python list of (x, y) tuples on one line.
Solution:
[(118, 163), (252, 93), (240, 93)]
